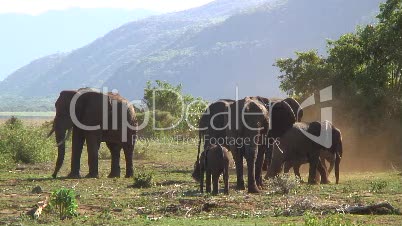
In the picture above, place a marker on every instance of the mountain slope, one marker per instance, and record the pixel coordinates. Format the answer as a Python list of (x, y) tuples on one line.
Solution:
[(25, 37), (241, 50), (209, 49), (95, 63)]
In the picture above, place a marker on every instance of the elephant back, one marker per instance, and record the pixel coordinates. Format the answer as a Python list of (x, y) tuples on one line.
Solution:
[(121, 101)]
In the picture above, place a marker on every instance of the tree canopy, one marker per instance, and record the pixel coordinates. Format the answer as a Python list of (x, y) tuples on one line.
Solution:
[(364, 67)]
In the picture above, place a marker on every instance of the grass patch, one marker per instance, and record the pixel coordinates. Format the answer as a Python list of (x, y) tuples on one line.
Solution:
[(143, 180), (174, 199)]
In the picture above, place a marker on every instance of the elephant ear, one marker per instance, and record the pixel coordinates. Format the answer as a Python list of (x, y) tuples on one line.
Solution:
[(314, 128), (295, 107), (282, 118), (63, 102)]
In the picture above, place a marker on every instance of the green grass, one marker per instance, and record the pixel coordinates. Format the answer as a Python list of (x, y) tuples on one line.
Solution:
[(174, 198)]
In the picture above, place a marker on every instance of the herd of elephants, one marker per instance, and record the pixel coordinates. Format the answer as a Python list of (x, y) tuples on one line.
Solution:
[(268, 133)]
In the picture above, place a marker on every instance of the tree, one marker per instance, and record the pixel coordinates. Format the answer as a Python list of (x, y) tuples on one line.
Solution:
[(364, 68)]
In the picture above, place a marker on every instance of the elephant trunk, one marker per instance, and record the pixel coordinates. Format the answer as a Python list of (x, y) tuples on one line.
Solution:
[(275, 167), (61, 137), (197, 167)]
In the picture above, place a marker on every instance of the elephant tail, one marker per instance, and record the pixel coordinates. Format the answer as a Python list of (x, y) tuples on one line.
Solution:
[(337, 162)]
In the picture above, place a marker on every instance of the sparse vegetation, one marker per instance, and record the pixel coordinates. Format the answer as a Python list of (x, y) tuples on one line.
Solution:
[(143, 180), (333, 220), (284, 183), (378, 186), (63, 201)]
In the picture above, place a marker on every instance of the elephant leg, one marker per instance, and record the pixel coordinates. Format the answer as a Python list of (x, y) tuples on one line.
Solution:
[(258, 166), (268, 158), (93, 144), (115, 153), (323, 173), (208, 182), (128, 153), (287, 166), (215, 182), (314, 161), (251, 157), (323, 163), (238, 157), (296, 170), (331, 165), (78, 140), (226, 178), (202, 171)]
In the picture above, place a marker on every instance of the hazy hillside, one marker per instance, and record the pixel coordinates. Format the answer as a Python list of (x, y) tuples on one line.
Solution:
[(26, 37), (209, 49)]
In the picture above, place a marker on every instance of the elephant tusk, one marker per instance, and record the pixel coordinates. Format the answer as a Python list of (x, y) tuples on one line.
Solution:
[(279, 147), (50, 133), (65, 138)]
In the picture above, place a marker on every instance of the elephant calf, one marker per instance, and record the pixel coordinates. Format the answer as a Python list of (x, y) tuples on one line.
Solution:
[(214, 160), (325, 155)]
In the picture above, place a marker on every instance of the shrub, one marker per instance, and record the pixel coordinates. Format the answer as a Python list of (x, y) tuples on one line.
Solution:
[(378, 186), (64, 201), (25, 144), (143, 180), (283, 183)]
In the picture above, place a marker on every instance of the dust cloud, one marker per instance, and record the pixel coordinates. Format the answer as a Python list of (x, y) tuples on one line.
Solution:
[(367, 146)]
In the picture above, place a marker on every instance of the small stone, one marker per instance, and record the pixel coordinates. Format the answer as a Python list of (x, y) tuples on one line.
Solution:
[(37, 190)]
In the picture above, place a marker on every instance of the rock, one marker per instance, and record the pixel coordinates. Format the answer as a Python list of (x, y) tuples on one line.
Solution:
[(37, 190)]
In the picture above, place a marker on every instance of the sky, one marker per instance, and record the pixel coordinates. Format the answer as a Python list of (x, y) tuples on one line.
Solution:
[(37, 7)]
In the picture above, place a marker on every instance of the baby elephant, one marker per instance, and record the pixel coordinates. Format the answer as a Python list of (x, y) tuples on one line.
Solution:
[(214, 161), (325, 155)]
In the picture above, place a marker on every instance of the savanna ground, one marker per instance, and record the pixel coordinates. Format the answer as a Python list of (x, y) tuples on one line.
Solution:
[(174, 198)]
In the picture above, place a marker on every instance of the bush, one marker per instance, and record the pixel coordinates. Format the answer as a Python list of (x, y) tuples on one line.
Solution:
[(25, 144), (64, 202), (283, 183), (143, 180)]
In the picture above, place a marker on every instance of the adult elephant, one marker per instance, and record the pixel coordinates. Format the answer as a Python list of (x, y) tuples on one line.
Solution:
[(248, 124), (295, 145), (283, 114), (212, 128), (113, 121)]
